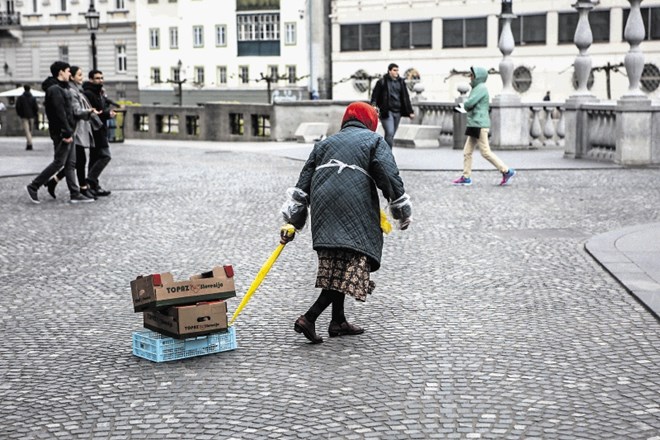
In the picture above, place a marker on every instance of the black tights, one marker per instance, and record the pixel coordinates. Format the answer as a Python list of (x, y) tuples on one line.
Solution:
[(326, 298)]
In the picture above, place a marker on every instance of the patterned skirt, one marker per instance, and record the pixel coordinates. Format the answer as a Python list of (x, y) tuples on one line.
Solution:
[(346, 272)]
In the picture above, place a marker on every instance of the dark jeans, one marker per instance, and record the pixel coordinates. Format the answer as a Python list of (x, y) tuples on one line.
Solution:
[(99, 157), (81, 165), (65, 157), (390, 125)]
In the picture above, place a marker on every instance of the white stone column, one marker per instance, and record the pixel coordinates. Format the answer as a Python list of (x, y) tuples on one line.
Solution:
[(575, 119), (634, 131), (509, 120)]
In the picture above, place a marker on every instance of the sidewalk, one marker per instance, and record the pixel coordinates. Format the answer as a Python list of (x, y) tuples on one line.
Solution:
[(631, 255)]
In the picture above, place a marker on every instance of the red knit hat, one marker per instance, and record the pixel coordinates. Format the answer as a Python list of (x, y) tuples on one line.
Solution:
[(363, 112)]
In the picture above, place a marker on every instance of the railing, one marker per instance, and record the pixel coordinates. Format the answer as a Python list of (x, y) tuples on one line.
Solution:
[(10, 19), (547, 127), (440, 114), (601, 132)]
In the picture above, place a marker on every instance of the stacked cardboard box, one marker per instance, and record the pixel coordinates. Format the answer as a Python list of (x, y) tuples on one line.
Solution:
[(184, 309)]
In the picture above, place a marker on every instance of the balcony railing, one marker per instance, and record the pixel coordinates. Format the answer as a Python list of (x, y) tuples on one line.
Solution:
[(10, 19)]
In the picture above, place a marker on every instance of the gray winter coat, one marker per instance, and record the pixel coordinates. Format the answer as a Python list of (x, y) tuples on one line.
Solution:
[(344, 204), (81, 111)]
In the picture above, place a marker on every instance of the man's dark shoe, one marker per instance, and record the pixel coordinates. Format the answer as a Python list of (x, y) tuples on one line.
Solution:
[(79, 198), (29, 147), (99, 192), (308, 329), (34, 197), (87, 193), (51, 184), (345, 328)]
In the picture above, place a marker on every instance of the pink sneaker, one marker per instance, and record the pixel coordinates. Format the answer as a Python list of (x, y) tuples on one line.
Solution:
[(462, 181)]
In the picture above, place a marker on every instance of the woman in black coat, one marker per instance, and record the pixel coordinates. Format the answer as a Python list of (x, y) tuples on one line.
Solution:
[(339, 183)]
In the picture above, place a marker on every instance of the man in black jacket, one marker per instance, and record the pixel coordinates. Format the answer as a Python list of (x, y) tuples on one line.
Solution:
[(61, 125), (391, 97), (99, 155), (27, 109)]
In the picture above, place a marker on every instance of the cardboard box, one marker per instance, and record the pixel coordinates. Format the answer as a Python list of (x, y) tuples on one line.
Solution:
[(182, 322), (159, 291)]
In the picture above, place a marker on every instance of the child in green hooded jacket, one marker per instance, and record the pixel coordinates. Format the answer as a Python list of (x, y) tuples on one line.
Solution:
[(478, 125)]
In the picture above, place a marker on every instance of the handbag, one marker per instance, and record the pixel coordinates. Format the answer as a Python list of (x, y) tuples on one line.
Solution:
[(96, 122)]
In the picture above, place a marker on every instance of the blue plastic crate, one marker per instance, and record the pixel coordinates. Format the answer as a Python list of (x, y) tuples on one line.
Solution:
[(160, 348)]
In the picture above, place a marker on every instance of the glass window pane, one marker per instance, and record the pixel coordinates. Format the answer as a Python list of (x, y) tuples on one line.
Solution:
[(475, 32), (600, 25), (534, 29), (350, 37), (400, 35), (421, 34), (452, 33), (653, 30), (371, 36), (567, 25)]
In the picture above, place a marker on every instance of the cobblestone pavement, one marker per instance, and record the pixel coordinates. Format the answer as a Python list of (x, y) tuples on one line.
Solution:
[(489, 320)]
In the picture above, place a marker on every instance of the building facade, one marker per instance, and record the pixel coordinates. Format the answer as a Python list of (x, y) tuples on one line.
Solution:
[(436, 41), (35, 33), (254, 51)]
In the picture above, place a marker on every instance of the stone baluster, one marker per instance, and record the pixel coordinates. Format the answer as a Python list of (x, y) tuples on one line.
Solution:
[(634, 59), (583, 39), (548, 128), (535, 129), (506, 46), (561, 127)]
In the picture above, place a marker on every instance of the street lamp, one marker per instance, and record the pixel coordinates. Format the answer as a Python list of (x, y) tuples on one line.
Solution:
[(92, 18), (178, 81)]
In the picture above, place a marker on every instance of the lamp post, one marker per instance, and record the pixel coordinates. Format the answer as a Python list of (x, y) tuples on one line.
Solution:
[(178, 81), (92, 18)]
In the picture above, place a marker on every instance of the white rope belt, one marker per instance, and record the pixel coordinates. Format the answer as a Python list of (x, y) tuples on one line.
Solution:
[(341, 165)]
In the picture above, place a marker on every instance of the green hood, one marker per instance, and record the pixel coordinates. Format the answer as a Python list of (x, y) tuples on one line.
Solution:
[(480, 76)]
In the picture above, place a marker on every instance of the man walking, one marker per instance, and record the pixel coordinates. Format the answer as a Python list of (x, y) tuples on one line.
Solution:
[(61, 125), (391, 97), (99, 155), (27, 109)]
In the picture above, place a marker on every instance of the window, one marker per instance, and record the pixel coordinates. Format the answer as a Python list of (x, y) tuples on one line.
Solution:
[(527, 29), (598, 20), (192, 125), (244, 74), (199, 75), (176, 74), (63, 53), (122, 60), (141, 123), (120, 4), (221, 35), (236, 125), (167, 124), (63, 5), (35, 7), (258, 27), (651, 19), (464, 32), (152, 1), (258, 34), (273, 73), (174, 38), (198, 36), (290, 33), (221, 75), (291, 74), (359, 37), (650, 78), (155, 75), (411, 35), (522, 79), (261, 125), (154, 38)]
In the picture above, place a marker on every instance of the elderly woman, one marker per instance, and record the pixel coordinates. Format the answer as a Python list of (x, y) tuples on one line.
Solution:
[(339, 183)]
